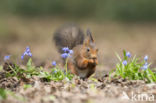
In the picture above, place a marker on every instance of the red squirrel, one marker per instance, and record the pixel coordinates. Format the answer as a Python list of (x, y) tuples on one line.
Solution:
[(84, 58)]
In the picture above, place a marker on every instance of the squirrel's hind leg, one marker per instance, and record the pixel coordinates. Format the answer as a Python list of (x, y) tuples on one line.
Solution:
[(72, 68)]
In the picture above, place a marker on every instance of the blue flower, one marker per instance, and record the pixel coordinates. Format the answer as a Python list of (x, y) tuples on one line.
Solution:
[(128, 54), (146, 63), (22, 57), (124, 62), (26, 52), (27, 49), (54, 63), (146, 58), (65, 49), (145, 66), (70, 51), (67, 52), (55, 71), (64, 55), (30, 54), (7, 57)]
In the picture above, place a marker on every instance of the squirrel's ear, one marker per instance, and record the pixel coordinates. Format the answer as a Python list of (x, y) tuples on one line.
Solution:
[(86, 41), (89, 35), (89, 39)]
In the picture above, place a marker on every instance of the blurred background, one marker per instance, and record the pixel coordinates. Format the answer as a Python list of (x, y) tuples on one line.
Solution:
[(115, 24)]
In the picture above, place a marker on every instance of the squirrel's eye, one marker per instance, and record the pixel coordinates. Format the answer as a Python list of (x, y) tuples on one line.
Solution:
[(88, 49)]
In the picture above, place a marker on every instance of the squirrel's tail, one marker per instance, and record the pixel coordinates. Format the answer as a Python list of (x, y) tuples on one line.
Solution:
[(68, 35)]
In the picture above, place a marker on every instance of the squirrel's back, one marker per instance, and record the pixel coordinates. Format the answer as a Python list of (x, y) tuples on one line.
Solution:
[(68, 35)]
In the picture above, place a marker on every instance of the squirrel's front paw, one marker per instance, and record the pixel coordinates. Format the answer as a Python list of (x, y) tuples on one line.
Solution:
[(85, 62), (93, 61)]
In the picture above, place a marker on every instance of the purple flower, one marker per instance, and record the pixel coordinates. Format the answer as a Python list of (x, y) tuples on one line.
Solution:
[(146, 63), (30, 54), (26, 52), (124, 62), (146, 58), (145, 66), (128, 54), (54, 63), (22, 57), (70, 51), (64, 55), (67, 52), (65, 49), (55, 71), (27, 49), (7, 57)]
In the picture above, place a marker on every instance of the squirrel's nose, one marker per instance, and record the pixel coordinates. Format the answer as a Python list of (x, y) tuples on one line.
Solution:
[(94, 57)]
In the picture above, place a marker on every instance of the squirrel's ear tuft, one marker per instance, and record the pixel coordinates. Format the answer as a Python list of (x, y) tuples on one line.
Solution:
[(89, 39), (89, 35)]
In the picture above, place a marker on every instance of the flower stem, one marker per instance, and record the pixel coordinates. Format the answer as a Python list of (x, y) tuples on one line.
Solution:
[(66, 65)]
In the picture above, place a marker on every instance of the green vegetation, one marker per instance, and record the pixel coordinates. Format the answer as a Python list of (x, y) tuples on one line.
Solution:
[(129, 10), (132, 69), (19, 72), (56, 73), (3, 93)]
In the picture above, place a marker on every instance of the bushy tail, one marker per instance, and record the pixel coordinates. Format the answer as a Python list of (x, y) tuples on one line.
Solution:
[(68, 35)]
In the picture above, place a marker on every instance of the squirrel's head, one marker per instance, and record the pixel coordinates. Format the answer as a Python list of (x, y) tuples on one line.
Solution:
[(89, 46)]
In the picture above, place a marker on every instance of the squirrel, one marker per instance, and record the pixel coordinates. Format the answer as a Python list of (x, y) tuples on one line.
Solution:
[(84, 59)]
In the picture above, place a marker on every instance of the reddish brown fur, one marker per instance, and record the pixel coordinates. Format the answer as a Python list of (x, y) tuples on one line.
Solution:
[(83, 61)]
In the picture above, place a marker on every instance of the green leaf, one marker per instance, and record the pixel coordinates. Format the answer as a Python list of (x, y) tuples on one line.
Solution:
[(118, 57), (29, 63), (26, 86), (3, 93), (124, 53)]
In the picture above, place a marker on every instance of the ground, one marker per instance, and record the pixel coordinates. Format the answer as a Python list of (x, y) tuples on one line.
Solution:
[(101, 90), (110, 37)]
